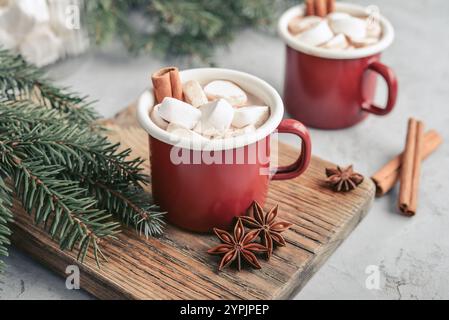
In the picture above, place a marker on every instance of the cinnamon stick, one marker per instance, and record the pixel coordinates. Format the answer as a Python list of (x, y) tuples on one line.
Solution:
[(310, 7), (411, 164), (330, 6), (166, 83), (411, 208), (388, 175), (176, 85), (321, 8)]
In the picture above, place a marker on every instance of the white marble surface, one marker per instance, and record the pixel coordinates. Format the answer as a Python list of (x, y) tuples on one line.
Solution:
[(412, 254)]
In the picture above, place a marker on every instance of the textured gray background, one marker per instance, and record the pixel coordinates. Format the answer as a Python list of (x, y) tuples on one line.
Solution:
[(411, 253)]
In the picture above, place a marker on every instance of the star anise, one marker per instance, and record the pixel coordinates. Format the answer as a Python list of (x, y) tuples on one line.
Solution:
[(237, 246), (266, 224), (343, 179)]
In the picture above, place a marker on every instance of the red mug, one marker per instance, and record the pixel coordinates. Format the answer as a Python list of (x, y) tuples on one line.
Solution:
[(332, 89), (206, 184)]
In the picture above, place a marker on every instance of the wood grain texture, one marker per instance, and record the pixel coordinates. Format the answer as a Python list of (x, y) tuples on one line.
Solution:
[(176, 265)]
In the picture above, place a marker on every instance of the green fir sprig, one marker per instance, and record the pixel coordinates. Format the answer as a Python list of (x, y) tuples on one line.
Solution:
[(192, 28), (66, 174)]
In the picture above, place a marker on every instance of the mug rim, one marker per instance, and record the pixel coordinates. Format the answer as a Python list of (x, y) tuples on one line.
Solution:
[(146, 103), (289, 39)]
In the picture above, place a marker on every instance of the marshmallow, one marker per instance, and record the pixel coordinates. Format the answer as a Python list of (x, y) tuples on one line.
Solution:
[(41, 46), (364, 42), (300, 24), (252, 115), (338, 15), (15, 21), (352, 27), (37, 9), (337, 42), (234, 132), (178, 112), (316, 35), (216, 117), (6, 41), (194, 94), (156, 118), (182, 132), (222, 89)]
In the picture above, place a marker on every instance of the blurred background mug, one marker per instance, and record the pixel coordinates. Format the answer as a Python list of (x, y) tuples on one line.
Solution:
[(333, 89)]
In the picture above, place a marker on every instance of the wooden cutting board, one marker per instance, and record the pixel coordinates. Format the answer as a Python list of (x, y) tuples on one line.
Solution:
[(176, 265)]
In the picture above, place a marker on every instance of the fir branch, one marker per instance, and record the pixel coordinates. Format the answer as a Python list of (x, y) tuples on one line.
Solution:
[(5, 217), (34, 130), (80, 151), (190, 28), (20, 80), (96, 162), (70, 178), (73, 221), (130, 204), (111, 179)]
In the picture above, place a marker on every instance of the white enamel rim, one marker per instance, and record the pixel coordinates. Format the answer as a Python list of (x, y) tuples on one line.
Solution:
[(289, 39), (247, 82)]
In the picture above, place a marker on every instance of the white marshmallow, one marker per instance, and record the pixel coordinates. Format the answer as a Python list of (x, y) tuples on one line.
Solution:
[(156, 118), (178, 112), (234, 132), (316, 35), (300, 24), (194, 94), (37, 9), (352, 27), (14, 21), (337, 42), (6, 41), (222, 89), (338, 15), (364, 42), (251, 115), (41, 46), (216, 117), (207, 131), (182, 132)]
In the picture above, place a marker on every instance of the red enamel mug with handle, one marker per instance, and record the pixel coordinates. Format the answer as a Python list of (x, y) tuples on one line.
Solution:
[(205, 184), (332, 89)]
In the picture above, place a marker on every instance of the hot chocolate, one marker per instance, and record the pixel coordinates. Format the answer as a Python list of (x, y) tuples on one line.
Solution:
[(219, 109), (336, 30)]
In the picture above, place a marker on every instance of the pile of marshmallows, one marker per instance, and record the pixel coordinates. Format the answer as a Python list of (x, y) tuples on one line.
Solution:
[(42, 31), (337, 30), (219, 110)]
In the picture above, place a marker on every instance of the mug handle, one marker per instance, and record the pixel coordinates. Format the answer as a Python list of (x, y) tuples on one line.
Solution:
[(392, 84), (300, 165)]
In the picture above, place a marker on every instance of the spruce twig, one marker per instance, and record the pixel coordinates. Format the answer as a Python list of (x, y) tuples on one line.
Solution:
[(5, 218), (70, 178), (189, 28), (22, 81)]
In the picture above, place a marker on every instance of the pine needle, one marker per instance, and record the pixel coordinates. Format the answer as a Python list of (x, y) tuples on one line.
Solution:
[(66, 174)]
